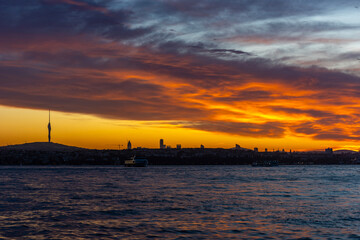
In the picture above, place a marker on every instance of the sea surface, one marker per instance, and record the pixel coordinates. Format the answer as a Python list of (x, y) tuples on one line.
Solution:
[(180, 202)]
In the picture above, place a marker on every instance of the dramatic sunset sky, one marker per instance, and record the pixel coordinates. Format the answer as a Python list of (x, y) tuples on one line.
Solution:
[(259, 73)]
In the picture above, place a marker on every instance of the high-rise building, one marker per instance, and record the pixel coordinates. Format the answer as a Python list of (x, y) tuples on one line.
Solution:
[(178, 146), (256, 149), (202, 146), (329, 150), (162, 146), (129, 145), (49, 128)]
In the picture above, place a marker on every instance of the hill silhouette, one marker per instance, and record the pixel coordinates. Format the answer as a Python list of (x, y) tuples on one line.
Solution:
[(43, 146)]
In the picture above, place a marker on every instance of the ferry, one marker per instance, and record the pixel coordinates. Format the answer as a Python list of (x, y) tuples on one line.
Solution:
[(136, 162)]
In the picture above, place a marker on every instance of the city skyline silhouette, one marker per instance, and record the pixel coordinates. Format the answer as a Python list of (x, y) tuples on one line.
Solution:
[(180, 119)]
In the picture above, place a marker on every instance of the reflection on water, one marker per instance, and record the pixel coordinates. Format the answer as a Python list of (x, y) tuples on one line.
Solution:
[(200, 202)]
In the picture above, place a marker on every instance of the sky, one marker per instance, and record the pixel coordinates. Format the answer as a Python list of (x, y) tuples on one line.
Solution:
[(258, 73)]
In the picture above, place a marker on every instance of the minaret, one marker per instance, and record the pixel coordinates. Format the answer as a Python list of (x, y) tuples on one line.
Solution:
[(49, 128)]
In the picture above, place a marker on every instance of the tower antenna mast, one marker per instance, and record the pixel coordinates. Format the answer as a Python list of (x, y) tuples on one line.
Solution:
[(49, 128)]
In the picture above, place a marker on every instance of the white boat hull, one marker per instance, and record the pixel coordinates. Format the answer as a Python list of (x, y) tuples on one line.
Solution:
[(136, 163)]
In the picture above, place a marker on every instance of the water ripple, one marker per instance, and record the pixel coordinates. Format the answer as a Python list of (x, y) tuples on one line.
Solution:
[(180, 202)]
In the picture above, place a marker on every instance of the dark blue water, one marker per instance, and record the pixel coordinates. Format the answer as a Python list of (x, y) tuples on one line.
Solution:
[(176, 202)]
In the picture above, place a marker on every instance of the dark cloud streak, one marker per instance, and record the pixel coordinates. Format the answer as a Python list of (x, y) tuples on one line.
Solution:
[(116, 60), (58, 17)]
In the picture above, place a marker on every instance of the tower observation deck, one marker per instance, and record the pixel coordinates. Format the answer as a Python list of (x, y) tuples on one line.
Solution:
[(49, 128)]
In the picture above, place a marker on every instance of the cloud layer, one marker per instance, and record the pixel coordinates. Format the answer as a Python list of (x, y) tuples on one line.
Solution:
[(247, 68)]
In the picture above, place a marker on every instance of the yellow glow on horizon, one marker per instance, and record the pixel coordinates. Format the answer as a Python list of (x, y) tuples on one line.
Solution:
[(28, 125)]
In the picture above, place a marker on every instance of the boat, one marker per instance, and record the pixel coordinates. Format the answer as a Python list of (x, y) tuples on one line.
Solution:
[(136, 162)]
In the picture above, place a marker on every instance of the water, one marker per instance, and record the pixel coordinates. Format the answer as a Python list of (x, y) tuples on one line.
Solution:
[(176, 202)]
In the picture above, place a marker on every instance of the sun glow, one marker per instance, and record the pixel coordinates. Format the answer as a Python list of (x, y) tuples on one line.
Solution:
[(28, 125)]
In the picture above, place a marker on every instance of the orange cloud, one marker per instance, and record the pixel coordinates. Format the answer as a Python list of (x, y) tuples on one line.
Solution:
[(97, 73)]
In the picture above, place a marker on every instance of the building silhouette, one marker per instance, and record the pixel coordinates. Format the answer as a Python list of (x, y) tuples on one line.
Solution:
[(162, 146), (129, 145), (49, 128), (329, 150)]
